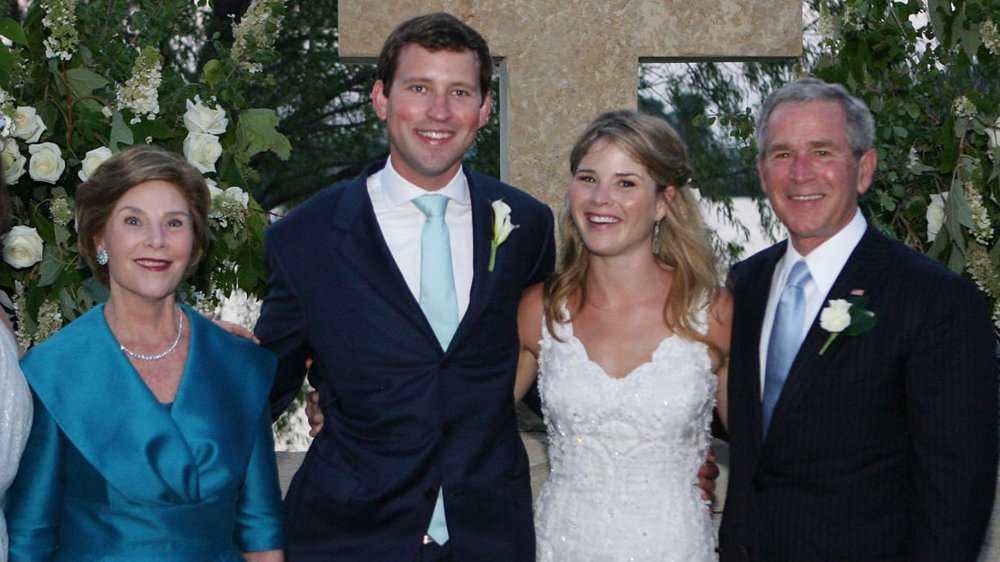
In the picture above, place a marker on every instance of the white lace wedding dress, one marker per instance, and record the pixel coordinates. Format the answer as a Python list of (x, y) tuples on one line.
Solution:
[(624, 455), (15, 420)]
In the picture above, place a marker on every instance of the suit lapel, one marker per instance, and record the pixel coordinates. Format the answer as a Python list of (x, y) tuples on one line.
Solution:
[(754, 297), (359, 239), (861, 273), (482, 235)]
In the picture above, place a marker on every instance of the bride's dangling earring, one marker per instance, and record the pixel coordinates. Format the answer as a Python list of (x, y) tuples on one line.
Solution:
[(656, 238)]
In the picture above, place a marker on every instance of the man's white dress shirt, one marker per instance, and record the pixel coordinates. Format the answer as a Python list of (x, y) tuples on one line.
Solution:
[(825, 263)]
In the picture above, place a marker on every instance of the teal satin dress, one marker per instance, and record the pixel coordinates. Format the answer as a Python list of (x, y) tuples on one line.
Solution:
[(112, 475)]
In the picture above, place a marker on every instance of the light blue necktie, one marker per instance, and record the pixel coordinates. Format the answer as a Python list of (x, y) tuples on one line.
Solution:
[(440, 306), (437, 282), (786, 337)]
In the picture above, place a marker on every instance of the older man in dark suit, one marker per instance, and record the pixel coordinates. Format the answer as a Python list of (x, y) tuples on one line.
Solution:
[(882, 443)]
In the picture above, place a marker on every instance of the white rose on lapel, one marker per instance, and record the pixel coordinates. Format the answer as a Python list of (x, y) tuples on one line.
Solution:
[(846, 316), (502, 227), (836, 316)]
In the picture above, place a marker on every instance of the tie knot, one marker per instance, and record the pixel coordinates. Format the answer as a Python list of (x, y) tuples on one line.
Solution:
[(799, 275), (431, 205)]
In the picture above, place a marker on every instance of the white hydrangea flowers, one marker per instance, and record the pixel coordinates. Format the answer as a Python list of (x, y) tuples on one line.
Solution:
[(228, 206)]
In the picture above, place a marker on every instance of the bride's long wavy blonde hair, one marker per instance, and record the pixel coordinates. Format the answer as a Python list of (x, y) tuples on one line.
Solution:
[(682, 247)]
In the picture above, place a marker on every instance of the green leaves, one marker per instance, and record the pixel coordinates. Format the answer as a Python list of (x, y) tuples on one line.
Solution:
[(120, 61), (121, 134), (83, 82), (13, 32), (257, 132)]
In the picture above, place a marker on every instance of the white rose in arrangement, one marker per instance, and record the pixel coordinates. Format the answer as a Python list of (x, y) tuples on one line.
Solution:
[(836, 316), (28, 125), (22, 247), (92, 160), (935, 215), (200, 118), (993, 133), (13, 161), (46, 162), (202, 150)]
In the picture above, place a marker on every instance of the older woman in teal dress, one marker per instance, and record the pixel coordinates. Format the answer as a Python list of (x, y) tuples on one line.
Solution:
[(151, 438)]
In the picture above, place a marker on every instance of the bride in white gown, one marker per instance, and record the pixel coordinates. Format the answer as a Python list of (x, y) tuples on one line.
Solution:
[(630, 335), (15, 398)]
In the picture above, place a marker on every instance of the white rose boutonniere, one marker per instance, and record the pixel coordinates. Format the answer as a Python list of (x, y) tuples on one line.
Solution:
[(846, 316), (200, 118), (202, 150), (22, 247), (92, 160), (46, 164), (28, 125), (502, 227)]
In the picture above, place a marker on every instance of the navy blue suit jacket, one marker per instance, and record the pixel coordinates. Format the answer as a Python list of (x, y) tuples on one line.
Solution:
[(885, 446), (403, 417)]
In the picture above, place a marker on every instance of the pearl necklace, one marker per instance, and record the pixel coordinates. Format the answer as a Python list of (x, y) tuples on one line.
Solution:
[(158, 356)]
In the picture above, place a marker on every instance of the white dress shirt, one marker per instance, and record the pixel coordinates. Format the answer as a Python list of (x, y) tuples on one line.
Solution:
[(401, 223), (825, 263)]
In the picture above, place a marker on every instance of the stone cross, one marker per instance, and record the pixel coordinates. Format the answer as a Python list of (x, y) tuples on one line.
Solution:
[(566, 61)]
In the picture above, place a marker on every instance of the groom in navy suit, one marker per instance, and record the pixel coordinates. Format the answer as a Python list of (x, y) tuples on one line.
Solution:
[(387, 283), (881, 445)]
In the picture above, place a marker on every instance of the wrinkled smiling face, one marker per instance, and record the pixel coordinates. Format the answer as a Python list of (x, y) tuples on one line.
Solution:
[(149, 239), (614, 202), (809, 172), (432, 113)]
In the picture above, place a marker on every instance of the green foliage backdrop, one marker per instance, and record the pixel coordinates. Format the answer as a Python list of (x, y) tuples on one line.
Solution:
[(80, 82), (930, 72)]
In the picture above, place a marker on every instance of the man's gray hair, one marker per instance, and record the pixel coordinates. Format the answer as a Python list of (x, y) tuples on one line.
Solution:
[(859, 121)]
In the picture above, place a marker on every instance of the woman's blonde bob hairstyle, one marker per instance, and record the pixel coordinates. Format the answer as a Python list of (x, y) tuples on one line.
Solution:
[(682, 245)]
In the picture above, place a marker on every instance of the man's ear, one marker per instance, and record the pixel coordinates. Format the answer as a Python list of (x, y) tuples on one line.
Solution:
[(866, 169), (380, 100), (484, 110)]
